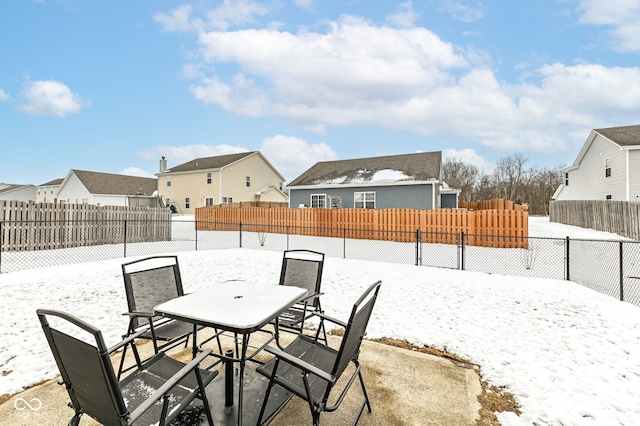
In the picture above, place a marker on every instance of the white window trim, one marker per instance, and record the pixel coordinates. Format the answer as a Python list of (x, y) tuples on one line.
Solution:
[(364, 199), (213, 200), (607, 160), (319, 197)]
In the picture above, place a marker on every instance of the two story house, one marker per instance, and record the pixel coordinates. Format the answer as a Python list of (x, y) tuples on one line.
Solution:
[(607, 167), (208, 181), (392, 181)]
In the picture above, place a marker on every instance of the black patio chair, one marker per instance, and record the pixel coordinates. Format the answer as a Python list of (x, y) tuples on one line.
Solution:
[(310, 369), (149, 282), (302, 268), (156, 393)]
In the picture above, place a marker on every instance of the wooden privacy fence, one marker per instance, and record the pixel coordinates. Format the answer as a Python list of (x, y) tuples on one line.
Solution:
[(495, 204), (488, 228), (47, 226), (618, 217)]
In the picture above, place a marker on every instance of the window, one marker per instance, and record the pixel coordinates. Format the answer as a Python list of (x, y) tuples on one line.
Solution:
[(38, 191), (168, 180), (227, 200), (319, 200), (208, 201), (208, 178), (248, 181), (608, 197), (566, 179), (607, 167), (187, 203), (364, 200)]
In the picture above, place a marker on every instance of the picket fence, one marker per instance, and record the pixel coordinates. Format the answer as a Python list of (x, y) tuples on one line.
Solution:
[(487, 228), (47, 226)]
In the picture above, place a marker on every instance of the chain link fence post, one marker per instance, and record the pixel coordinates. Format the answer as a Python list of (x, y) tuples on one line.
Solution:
[(240, 234), (125, 238), (621, 272), (567, 262), (462, 257)]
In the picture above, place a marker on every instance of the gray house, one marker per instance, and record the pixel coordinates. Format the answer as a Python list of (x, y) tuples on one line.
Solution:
[(393, 181), (606, 168)]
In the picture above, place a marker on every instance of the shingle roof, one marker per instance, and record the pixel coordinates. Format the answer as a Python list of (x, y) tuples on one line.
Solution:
[(208, 163), (423, 166), (112, 184), (53, 182), (12, 187), (623, 136)]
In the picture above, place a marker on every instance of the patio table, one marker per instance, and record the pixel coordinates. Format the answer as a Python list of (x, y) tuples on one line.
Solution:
[(241, 307)]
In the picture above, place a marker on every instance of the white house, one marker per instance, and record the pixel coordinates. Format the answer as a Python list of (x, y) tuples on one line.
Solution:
[(106, 189), (48, 192), (607, 167), (9, 192)]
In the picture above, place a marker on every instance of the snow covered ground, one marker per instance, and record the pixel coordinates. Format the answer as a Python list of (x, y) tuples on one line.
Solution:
[(570, 356)]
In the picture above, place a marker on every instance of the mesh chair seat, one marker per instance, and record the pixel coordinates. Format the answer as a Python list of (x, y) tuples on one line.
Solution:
[(310, 369), (170, 331)]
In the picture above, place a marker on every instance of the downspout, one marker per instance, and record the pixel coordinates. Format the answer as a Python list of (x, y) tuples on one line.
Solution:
[(627, 176), (219, 187)]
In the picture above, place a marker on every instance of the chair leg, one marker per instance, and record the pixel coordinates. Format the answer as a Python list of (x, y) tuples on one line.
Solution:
[(203, 397), (364, 391), (272, 381)]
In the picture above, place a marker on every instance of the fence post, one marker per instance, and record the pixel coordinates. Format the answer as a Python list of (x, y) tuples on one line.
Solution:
[(417, 246), (462, 257), (344, 243), (125, 238), (241, 234), (196, 225), (621, 273), (288, 231), (1, 234), (566, 257)]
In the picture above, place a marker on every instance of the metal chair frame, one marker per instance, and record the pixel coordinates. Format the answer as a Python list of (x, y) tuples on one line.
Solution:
[(310, 369), (88, 375)]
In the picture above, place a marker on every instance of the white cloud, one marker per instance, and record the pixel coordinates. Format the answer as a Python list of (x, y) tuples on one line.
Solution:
[(53, 98), (4, 96), (468, 156), (229, 13), (291, 156), (304, 4), (135, 171), (461, 12), (360, 74), (176, 155), (622, 17), (404, 17)]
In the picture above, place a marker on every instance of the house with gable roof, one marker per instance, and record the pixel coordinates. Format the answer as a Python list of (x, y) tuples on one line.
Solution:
[(107, 189), (392, 181), (606, 168), (222, 179), (48, 191), (15, 192)]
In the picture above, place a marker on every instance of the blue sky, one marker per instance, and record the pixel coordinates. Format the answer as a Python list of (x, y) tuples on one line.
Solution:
[(113, 86)]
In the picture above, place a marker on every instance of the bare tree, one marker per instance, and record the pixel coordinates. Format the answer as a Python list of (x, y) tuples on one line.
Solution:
[(462, 176)]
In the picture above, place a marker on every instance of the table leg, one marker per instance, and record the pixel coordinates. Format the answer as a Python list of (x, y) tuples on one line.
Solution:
[(228, 379), (243, 360), (194, 350)]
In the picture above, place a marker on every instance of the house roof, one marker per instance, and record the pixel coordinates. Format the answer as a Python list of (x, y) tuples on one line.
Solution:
[(208, 163), (423, 166), (112, 184), (53, 182), (12, 187), (623, 136)]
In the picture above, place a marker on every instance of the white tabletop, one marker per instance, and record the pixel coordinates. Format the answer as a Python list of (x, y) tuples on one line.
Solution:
[(241, 306)]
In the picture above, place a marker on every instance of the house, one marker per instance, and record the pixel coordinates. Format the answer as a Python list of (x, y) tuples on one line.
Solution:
[(106, 189), (410, 180), (607, 167), (12, 192), (231, 178), (48, 192)]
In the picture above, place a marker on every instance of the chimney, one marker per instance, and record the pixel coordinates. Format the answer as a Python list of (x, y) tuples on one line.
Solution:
[(163, 165)]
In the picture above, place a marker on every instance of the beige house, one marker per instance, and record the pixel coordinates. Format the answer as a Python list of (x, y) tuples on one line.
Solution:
[(232, 178), (48, 192)]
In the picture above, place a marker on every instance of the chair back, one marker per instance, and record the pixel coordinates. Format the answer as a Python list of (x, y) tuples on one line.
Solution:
[(86, 369), (356, 328), (149, 282), (302, 268)]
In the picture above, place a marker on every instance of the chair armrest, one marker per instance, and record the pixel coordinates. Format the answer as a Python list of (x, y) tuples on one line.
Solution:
[(301, 364), (331, 319), (172, 382), (311, 297), (126, 341), (139, 314)]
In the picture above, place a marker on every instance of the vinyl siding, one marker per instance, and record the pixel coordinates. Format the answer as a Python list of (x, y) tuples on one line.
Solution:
[(634, 175), (407, 196), (588, 182)]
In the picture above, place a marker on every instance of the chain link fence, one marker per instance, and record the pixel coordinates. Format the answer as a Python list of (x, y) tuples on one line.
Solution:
[(609, 267)]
